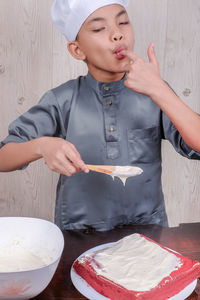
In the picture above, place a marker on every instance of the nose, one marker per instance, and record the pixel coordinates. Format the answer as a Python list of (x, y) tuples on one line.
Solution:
[(117, 36)]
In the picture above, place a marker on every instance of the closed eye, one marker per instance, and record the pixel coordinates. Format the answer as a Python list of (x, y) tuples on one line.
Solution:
[(99, 29), (124, 23)]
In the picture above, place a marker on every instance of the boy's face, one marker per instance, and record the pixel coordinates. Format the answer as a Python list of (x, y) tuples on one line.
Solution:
[(101, 38)]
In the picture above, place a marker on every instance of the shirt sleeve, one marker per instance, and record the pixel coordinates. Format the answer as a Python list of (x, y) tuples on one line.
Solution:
[(43, 119), (171, 134)]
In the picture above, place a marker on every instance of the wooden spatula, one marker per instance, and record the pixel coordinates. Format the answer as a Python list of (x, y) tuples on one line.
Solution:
[(126, 171)]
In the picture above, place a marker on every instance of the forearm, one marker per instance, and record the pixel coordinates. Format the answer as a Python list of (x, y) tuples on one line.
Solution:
[(60, 155), (183, 117), (14, 156)]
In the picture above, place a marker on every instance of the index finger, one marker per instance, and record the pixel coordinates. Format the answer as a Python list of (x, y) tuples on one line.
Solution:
[(80, 165), (76, 159), (130, 54)]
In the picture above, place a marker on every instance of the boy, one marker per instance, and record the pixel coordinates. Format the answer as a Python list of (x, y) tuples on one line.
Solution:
[(117, 114)]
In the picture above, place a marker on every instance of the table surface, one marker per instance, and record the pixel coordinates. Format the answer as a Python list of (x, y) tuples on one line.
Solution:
[(184, 239)]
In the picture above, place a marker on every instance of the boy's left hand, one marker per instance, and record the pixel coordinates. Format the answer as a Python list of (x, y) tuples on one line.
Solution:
[(143, 77)]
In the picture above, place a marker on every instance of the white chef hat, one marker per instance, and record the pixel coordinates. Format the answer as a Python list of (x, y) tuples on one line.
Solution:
[(69, 15)]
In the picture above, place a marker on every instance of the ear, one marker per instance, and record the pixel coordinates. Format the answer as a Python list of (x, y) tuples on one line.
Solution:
[(75, 50)]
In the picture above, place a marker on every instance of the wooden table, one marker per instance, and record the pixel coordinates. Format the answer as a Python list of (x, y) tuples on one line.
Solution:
[(184, 239)]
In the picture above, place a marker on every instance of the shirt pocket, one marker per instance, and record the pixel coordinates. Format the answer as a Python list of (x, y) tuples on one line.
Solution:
[(144, 145)]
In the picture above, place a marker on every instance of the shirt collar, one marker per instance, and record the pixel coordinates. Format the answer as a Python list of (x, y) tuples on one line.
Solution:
[(105, 88)]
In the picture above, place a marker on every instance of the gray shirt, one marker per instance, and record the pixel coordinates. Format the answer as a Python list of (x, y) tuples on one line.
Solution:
[(109, 124)]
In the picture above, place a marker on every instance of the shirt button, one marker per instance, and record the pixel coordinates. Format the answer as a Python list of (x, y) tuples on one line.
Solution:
[(112, 128), (106, 88), (109, 102)]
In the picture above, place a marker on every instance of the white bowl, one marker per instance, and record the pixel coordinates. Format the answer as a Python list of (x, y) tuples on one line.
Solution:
[(45, 240)]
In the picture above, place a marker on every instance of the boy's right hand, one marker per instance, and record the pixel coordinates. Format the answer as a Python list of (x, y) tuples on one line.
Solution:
[(61, 156)]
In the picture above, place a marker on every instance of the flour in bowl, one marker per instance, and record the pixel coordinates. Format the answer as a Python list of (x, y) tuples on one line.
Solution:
[(17, 257)]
